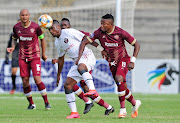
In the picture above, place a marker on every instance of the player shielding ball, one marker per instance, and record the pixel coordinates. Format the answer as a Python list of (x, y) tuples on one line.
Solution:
[(65, 23), (112, 39), (67, 41), (28, 33)]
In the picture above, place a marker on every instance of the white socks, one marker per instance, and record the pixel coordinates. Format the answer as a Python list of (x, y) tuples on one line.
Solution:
[(71, 101), (88, 80)]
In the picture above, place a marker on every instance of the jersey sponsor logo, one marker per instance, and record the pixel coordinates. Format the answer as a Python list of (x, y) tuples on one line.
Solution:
[(26, 38), (32, 30), (116, 37), (111, 44), (65, 40)]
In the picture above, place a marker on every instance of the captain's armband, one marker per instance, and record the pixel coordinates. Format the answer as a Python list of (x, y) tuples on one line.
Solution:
[(41, 36), (89, 39)]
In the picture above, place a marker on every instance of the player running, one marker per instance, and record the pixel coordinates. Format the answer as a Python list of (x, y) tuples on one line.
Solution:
[(67, 42), (112, 40), (65, 23), (28, 32)]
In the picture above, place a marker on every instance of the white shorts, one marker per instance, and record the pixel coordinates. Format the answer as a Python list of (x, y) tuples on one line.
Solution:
[(88, 59)]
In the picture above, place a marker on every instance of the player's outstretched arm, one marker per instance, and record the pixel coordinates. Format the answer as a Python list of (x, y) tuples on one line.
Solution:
[(60, 67)]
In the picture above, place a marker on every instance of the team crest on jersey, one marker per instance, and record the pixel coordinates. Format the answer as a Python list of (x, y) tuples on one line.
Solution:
[(19, 31), (116, 37), (65, 40), (32, 30)]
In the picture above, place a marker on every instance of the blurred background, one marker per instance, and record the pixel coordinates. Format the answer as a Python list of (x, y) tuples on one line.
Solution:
[(154, 23)]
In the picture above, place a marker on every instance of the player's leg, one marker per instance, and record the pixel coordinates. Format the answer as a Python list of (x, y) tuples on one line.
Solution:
[(121, 94), (89, 104), (25, 74), (84, 86), (119, 74), (13, 76), (14, 68), (101, 102), (83, 70), (70, 97), (86, 64), (135, 103), (36, 70)]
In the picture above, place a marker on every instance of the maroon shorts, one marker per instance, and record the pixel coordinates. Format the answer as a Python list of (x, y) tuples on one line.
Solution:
[(120, 68), (25, 67)]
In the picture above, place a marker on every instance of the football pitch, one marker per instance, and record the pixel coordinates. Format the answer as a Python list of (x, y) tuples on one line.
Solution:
[(154, 109)]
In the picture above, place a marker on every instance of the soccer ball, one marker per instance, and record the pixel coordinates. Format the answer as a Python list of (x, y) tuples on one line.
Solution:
[(45, 21)]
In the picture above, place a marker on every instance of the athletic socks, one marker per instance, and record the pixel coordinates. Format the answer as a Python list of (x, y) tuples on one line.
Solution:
[(80, 94), (129, 97), (87, 77), (71, 101), (13, 81), (43, 92), (27, 93), (101, 102), (121, 94)]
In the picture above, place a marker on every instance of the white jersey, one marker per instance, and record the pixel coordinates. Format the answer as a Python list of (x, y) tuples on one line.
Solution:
[(69, 42)]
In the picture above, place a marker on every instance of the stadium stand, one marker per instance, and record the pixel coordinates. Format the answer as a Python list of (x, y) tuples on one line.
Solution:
[(155, 21)]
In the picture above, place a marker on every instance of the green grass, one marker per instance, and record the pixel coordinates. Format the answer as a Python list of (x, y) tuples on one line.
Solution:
[(154, 109)]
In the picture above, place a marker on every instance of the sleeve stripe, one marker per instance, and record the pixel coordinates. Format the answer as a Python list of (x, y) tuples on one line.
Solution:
[(133, 42), (41, 36), (89, 39)]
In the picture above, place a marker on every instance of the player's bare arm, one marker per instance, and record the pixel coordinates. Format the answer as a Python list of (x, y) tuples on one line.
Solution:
[(60, 67), (11, 49), (135, 53), (81, 48), (43, 46), (99, 47)]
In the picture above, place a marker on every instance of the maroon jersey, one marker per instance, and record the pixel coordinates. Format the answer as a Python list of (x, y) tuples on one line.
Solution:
[(28, 40), (113, 43)]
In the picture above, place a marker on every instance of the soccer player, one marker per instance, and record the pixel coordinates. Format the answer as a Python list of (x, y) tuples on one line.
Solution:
[(112, 39), (65, 23), (14, 63), (67, 41), (28, 32)]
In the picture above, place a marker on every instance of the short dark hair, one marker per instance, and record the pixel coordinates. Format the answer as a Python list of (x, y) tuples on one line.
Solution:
[(108, 16), (66, 19), (56, 22)]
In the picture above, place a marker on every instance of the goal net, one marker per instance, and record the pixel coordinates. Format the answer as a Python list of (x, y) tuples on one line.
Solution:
[(83, 15)]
